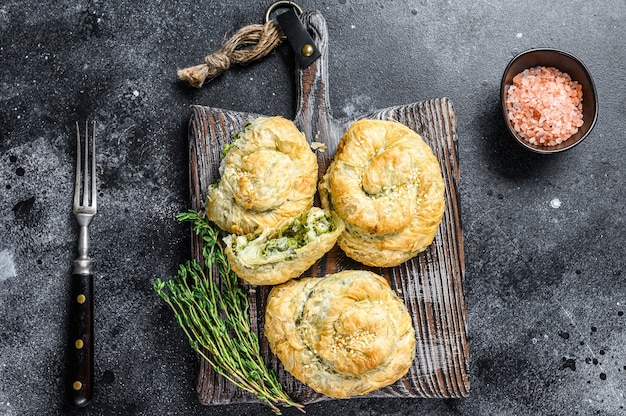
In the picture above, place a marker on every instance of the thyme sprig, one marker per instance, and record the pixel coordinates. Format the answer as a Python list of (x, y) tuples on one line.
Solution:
[(213, 311)]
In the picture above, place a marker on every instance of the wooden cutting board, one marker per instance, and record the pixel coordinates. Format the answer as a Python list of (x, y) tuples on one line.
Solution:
[(431, 284)]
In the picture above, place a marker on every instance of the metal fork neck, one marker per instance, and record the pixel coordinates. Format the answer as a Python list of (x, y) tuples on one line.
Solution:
[(83, 266), (83, 263)]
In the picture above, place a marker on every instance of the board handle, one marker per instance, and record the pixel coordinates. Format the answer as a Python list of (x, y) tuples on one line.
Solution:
[(313, 111)]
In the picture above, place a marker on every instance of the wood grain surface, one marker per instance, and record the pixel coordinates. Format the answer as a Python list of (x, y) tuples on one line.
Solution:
[(431, 284)]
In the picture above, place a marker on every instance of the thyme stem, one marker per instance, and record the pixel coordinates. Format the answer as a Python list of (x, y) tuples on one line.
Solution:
[(213, 310)]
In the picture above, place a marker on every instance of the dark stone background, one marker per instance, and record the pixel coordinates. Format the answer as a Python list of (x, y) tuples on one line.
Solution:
[(545, 287)]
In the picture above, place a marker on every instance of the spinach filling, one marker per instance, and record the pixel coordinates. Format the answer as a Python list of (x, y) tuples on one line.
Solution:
[(298, 233), (283, 244), (233, 143)]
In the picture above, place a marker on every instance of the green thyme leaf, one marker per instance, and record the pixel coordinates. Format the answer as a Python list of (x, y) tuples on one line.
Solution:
[(213, 311)]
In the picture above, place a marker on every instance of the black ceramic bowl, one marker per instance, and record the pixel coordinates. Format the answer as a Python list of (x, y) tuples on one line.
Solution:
[(565, 63)]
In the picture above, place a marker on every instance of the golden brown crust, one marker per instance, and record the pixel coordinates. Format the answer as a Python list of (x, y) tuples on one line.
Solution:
[(386, 184), (343, 335), (271, 258), (268, 176)]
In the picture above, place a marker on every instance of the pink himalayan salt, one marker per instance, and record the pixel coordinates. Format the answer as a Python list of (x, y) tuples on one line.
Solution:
[(544, 105)]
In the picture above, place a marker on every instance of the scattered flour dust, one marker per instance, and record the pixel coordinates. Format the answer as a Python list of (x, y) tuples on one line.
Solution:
[(7, 266), (6, 409)]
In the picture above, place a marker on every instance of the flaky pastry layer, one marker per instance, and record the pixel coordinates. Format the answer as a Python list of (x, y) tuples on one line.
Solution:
[(343, 335), (268, 175), (386, 184)]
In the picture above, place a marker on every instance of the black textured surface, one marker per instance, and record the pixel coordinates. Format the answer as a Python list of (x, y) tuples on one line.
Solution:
[(544, 235)]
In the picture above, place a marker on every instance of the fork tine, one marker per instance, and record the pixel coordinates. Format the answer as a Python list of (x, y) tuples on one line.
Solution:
[(85, 198), (93, 166), (86, 173), (78, 169)]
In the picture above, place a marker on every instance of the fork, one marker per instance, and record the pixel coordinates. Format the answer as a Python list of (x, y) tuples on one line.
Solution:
[(80, 389)]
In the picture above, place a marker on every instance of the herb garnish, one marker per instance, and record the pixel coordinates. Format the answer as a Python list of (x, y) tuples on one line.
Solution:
[(215, 317)]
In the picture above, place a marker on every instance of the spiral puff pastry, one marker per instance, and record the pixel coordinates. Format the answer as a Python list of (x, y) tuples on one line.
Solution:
[(268, 176), (386, 184), (343, 335), (279, 254)]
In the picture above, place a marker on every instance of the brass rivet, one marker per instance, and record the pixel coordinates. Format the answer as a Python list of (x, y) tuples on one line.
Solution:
[(307, 50), (79, 344), (77, 385), (81, 299)]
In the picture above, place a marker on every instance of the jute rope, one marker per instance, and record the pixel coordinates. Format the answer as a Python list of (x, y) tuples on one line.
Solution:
[(248, 44)]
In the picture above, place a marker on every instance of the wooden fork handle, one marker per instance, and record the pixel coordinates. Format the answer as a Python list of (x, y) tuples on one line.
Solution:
[(80, 365)]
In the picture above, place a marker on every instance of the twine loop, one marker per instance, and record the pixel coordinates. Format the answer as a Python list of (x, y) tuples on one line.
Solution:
[(249, 43)]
